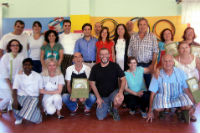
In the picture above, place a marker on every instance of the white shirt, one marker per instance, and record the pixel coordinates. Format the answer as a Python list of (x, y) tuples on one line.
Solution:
[(35, 45), (120, 51), (56, 80), (28, 85), (5, 65), (68, 42), (23, 39), (71, 69)]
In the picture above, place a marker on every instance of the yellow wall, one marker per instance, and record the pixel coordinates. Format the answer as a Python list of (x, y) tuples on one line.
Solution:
[(78, 21), (176, 20)]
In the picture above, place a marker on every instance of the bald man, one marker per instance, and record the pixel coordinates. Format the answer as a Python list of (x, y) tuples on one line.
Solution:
[(97, 29), (170, 90), (129, 27), (78, 70)]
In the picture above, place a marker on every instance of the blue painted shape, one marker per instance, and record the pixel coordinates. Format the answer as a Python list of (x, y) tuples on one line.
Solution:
[(8, 23)]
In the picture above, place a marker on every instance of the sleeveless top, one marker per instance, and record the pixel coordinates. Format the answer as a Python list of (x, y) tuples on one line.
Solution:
[(189, 69)]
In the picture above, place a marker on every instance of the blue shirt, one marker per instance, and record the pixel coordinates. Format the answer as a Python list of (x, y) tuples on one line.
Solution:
[(175, 83), (86, 48), (136, 82)]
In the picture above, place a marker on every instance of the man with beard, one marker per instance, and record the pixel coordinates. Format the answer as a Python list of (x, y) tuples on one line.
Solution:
[(104, 79)]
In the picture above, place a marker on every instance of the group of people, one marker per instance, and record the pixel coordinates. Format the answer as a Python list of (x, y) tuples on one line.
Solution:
[(38, 71)]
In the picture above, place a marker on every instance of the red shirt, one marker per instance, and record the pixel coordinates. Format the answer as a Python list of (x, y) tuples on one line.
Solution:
[(106, 44), (162, 53)]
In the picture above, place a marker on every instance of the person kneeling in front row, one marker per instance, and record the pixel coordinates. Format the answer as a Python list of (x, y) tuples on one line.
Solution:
[(170, 90), (26, 91), (77, 71), (104, 82)]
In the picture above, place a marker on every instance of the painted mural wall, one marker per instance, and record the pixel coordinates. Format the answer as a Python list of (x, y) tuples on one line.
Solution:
[(92, 11)]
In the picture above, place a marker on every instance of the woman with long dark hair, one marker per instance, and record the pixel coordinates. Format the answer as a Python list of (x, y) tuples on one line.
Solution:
[(121, 40), (105, 42)]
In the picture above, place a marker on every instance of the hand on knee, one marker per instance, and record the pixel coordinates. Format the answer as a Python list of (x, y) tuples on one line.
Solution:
[(117, 102), (73, 99)]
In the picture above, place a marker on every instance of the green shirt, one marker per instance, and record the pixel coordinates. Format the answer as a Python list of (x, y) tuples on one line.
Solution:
[(51, 52)]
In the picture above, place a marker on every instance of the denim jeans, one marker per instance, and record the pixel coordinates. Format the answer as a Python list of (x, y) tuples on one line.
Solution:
[(72, 106), (147, 77), (102, 112)]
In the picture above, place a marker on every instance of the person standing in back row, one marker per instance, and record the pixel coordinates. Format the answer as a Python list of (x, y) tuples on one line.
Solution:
[(87, 45), (144, 46)]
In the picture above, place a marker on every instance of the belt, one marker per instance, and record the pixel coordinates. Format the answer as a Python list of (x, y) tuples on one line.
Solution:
[(143, 64), (90, 61)]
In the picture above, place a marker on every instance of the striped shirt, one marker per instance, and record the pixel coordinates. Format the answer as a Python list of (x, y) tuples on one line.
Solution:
[(143, 49), (170, 90)]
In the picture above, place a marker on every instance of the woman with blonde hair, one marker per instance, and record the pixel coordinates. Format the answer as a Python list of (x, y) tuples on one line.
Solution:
[(53, 81)]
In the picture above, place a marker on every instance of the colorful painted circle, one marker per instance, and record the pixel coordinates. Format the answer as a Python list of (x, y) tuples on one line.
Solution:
[(111, 23), (168, 24)]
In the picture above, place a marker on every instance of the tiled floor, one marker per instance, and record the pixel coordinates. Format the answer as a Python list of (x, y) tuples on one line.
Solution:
[(89, 124)]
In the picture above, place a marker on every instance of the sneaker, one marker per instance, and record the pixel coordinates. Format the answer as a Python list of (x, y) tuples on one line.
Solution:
[(87, 111), (60, 117), (18, 122), (116, 116), (132, 112), (73, 113), (144, 115)]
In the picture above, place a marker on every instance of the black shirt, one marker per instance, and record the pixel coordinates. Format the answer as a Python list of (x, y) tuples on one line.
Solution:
[(106, 78)]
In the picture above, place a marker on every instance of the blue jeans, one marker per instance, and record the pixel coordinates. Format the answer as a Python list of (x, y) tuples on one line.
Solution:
[(72, 106), (102, 112), (147, 77)]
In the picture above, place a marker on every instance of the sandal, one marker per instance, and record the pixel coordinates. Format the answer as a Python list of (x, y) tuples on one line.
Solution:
[(193, 118)]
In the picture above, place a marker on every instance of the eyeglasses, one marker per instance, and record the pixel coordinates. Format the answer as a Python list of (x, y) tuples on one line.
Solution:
[(15, 45)]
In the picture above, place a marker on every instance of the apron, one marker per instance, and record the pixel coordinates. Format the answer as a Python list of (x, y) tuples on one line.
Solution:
[(74, 75)]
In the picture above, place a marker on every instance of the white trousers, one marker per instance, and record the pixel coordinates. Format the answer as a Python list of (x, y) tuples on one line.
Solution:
[(5, 94), (51, 103)]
